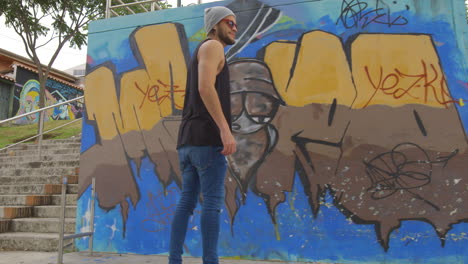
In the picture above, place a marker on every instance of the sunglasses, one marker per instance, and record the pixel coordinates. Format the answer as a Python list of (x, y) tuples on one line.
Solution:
[(230, 23), (259, 107)]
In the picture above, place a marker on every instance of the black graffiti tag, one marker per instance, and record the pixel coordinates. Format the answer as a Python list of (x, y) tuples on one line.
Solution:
[(356, 14), (393, 171)]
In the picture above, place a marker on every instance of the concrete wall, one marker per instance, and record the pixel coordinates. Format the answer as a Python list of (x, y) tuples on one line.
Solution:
[(350, 118)]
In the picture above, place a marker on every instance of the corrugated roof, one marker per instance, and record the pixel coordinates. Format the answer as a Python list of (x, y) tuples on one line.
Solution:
[(50, 77), (6, 78), (13, 57)]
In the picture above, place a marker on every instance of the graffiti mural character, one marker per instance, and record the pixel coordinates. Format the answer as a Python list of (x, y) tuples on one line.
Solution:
[(254, 103), (29, 101)]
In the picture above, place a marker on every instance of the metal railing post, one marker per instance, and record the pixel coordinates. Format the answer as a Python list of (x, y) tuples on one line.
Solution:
[(108, 8), (41, 131), (62, 219), (62, 236), (93, 194)]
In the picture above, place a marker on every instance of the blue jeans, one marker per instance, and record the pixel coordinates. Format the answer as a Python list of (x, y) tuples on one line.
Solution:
[(203, 168)]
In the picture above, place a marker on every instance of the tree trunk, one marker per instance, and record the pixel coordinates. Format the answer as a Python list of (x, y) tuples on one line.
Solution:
[(42, 103)]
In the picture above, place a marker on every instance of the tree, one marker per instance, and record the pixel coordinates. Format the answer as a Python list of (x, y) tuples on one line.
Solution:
[(30, 20)]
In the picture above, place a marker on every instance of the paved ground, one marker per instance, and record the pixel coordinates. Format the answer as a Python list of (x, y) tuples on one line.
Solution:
[(25, 257)]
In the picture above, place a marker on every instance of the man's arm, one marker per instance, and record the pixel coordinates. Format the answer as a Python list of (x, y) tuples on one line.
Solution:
[(210, 59)]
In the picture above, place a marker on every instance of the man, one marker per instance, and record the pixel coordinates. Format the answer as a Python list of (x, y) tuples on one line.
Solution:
[(205, 136)]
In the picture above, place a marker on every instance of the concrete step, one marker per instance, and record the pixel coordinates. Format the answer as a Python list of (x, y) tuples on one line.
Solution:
[(41, 225), (13, 153), (53, 211), (37, 189), (26, 200), (39, 164), (71, 170), (55, 179), (65, 140), (44, 211), (44, 146), (53, 141), (35, 200), (10, 212), (5, 225), (29, 241), (33, 158), (70, 199), (31, 189)]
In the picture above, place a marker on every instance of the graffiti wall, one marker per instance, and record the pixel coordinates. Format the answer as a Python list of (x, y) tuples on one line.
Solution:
[(351, 121), (26, 98)]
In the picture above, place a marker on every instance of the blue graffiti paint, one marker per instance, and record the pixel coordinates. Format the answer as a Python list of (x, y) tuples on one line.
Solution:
[(88, 135), (330, 237), (117, 51)]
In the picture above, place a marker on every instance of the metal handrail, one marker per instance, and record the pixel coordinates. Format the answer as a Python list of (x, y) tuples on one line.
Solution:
[(39, 110), (41, 123), (50, 130), (110, 7), (62, 236)]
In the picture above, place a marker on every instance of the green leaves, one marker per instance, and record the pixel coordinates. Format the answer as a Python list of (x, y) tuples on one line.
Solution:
[(30, 19)]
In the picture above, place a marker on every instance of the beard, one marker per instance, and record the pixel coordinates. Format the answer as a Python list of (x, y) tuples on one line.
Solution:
[(224, 37)]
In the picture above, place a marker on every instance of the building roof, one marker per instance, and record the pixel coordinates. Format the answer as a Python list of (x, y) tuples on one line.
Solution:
[(25, 63), (2, 76), (77, 67), (50, 76)]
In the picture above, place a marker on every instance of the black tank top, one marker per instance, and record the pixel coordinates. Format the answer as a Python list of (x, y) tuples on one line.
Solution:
[(198, 127)]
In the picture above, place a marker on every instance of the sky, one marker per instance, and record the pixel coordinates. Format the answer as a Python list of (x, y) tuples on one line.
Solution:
[(68, 57)]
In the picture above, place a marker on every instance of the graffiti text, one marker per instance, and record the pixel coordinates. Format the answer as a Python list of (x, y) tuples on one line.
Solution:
[(393, 84), (355, 14)]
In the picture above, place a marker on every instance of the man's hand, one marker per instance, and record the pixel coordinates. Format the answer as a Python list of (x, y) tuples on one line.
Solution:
[(229, 143)]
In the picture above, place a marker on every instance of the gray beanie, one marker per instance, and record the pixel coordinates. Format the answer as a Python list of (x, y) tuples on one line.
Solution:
[(214, 14)]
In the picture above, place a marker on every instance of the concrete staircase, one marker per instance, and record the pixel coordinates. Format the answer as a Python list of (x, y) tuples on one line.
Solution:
[(30, 194)]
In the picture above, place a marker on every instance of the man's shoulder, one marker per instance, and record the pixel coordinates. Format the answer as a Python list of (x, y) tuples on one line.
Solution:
[(212, 46)]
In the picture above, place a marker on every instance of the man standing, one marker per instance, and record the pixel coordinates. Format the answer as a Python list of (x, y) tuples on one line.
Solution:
[(205, 136)]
